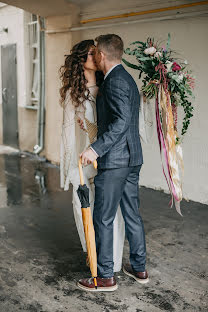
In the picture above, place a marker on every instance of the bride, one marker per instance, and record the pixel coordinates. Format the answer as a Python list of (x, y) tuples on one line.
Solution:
[(80, 83)]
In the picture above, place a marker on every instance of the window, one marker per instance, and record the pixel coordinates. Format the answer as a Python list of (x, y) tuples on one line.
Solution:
[(34, 61)]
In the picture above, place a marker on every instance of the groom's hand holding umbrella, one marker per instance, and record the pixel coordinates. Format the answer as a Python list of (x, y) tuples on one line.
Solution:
[(88, 156)]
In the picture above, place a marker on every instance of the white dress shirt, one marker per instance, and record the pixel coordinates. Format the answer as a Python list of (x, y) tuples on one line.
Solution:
[(108, 72)]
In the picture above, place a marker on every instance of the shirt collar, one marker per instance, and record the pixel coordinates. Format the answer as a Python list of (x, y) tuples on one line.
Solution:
[(108, 72)]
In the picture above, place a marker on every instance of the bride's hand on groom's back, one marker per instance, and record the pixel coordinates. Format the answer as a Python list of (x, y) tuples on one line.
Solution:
[(81, 123)]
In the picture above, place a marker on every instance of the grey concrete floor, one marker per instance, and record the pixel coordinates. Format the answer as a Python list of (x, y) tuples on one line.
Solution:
[(41, 257)]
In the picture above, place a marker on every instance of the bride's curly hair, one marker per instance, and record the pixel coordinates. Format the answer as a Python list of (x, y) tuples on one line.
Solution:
[(72, 74)]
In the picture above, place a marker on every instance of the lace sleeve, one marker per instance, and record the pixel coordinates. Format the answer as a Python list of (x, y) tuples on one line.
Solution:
[(80, 112), (68, 155), (68, 111), (73, 141)]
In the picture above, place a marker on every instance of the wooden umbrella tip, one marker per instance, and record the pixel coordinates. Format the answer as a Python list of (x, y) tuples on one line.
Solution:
[(95, 164), (95, 282)]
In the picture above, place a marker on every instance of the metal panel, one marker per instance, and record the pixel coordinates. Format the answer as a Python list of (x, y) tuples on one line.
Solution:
[(9, 94)]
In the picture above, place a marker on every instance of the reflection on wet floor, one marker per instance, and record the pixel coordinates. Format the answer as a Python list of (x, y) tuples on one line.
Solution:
[(22, 176), (41, 256), (30, 187), (13, 179), (40, 178)]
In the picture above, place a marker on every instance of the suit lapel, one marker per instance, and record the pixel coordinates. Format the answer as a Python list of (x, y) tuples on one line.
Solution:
[(100, 103)]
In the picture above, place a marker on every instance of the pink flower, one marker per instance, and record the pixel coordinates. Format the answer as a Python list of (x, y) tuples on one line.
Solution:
[(190, 81), (176, 67), (164, 49), (158, 54)]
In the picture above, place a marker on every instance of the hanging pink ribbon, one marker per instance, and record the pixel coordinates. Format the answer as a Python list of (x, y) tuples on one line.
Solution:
[(162, 145)]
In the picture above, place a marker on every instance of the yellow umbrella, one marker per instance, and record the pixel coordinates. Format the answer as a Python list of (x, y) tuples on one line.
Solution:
[(83, 193)]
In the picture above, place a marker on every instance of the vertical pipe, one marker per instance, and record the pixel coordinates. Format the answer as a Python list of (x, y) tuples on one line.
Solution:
[(41, 108)]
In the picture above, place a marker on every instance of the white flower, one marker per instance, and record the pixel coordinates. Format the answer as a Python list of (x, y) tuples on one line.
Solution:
[(169, 65), (158, 54), (180, 77), (177, 78), (150, 51), (185, 62)]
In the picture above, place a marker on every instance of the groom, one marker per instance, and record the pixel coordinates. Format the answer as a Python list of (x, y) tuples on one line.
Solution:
[(119, 155)]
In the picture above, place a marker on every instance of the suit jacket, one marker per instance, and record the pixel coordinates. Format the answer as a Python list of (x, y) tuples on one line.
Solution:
[(118, 142)]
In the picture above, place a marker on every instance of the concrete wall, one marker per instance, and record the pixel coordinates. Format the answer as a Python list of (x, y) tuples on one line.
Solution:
[(188, 38), (16, 22)]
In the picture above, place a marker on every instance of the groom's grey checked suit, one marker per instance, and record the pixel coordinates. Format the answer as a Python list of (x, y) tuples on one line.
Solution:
[(119, 163)]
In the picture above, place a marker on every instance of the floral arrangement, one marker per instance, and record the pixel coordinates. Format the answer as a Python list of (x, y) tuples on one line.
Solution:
[(159, 66), (167, 79)]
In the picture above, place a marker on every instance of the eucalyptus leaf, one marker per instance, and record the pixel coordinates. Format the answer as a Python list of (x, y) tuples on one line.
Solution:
[(130, 64), (140, 42)]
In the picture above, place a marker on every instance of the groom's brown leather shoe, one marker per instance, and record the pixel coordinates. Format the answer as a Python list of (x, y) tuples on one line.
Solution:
[(140, 277), (103, 284)]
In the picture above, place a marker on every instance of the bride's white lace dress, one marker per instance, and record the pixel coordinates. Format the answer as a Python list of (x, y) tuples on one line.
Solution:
[(73, 142)]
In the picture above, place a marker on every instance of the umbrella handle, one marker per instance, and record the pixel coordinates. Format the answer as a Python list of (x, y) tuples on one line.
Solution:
[(81, 171)]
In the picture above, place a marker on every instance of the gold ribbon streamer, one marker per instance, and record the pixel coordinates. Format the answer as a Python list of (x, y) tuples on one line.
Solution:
[(175, 156)]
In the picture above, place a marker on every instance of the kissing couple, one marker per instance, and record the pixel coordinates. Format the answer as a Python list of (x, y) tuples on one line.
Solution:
[(100, 101)]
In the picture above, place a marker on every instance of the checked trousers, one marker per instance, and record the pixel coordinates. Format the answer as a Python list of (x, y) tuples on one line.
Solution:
[(114, 187)]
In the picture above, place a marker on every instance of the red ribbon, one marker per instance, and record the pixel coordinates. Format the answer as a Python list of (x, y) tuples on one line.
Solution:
[(162, 145)]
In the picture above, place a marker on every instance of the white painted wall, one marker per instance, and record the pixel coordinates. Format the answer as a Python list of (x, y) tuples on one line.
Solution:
[(13, 19), (189, 38)]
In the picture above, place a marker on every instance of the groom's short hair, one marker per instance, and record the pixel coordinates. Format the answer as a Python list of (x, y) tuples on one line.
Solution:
[(112, 45)]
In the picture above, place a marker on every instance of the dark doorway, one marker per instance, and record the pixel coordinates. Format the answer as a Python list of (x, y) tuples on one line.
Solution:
[(9, 95)]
